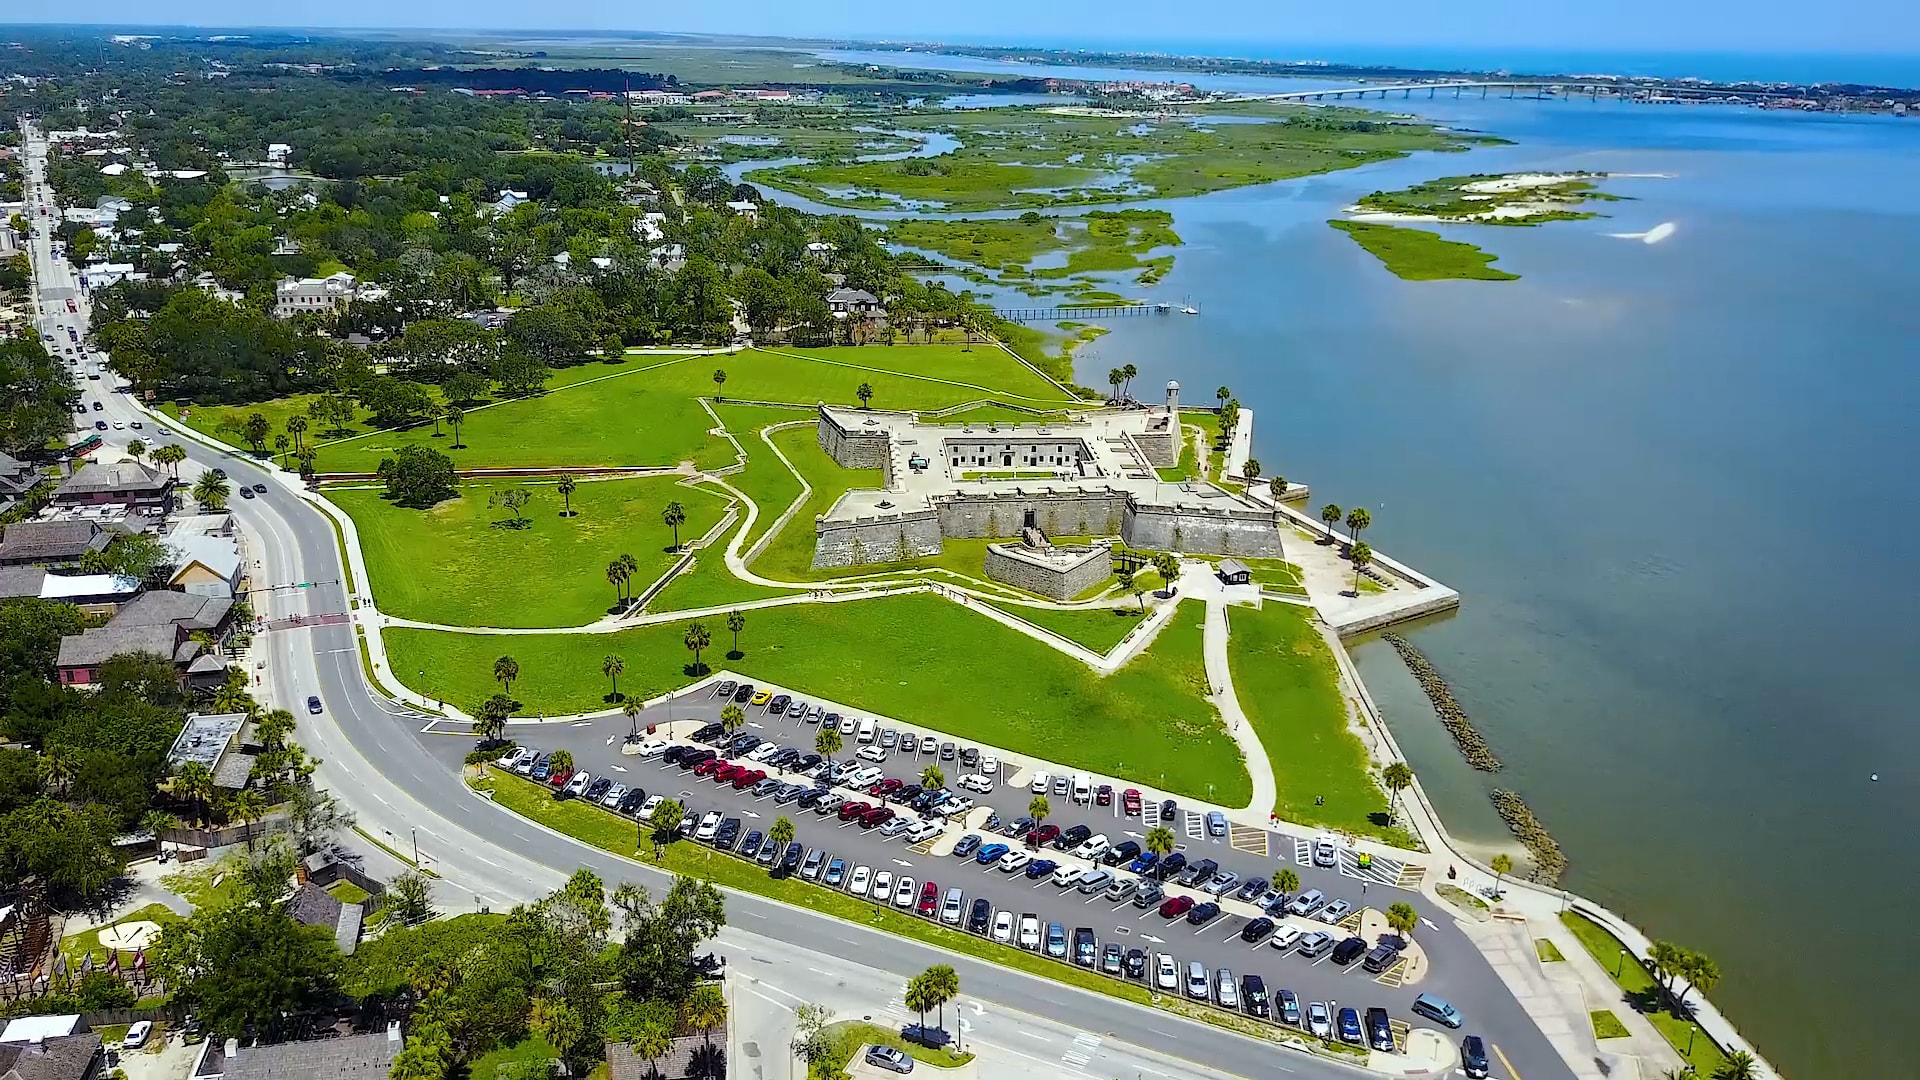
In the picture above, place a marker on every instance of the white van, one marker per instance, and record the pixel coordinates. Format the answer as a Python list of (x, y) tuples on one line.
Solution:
[(866, 730), (1082, 790), (1040, 783)]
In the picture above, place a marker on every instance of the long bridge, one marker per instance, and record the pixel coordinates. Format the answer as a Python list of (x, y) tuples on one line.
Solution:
[(1539, 88), (1088, 311)]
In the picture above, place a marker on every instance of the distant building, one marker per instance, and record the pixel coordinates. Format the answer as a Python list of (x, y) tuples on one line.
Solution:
[(120, 483), (50, 543), (59, 1057), (339, 1057), (508, 200), (95, 594), (158, 623), (278, 153), (1233, 572), (855, 304), (745, 208), (207, 565), (16, 478), (214, 741), (327, 295)]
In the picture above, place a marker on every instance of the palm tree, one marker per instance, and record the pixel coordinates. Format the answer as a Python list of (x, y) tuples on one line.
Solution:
[(195, 781), (1038, 808), (1330, 515), (1128, 373), (566, 486), (944, 984), (136, 449), (632, 566), (505, 670), (246, 807), (1114, 376), (170, 455), (57, 766), (1401, 918), (617, 577), (828, 742), (932, 779), (1667, 960), (1160, 840), (274, 728), (562, 762), (920, 996), (706, 1009), (280, 444), (1502, 866), (1167, 565), (1361, 554), (652, 1042), (1277, 487), (736, 622), (1286, 881), (1129, 583), (696, 639), (611, 667), (632, 709), (675, 515), (1701, 973), (1221, 395), (782, 832), (664, 827), (1397, 777), (1738, 1065), (211, 491), (456, 416), (296, 427), (865, 394), (1250, 470), (491, 720), (719, 380), (1357, 519), (733, 718)]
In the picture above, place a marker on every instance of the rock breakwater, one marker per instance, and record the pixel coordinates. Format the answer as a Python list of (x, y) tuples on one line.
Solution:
[(1452, 716)]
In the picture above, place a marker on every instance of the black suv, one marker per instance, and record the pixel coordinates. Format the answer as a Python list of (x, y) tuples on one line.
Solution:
[(1473, 1057), (1253, 995), (1072, 838), (1170, 866), (743, 694), (1349, 950), (980, 917)]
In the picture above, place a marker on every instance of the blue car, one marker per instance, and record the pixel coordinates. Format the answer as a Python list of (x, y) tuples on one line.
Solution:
[(990, 854), (1350, 1027), (1040, 868), (1144, 863)]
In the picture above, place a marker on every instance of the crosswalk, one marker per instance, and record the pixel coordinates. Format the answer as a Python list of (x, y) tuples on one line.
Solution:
[(1379, 871), (1194, 827), (1085, 1045), (1150, 815), (1247, 838), (1302, 851)]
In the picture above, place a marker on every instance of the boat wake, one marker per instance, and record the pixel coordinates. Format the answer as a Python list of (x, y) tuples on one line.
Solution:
[(1651, 236)]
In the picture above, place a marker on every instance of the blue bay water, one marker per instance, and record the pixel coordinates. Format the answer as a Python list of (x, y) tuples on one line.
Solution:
[(1674, 484)]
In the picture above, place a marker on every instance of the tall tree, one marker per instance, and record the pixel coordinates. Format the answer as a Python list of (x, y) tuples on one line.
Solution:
[(1160, 840), (246, 807), (256, 429), (1361, 554), (865, 393), (1114, 377), (1038, 808), (1357, 520), (931, 778), (491, 721), (410, 898), (566, 486), (663, 827), (1130, 583), (1738, 1065), (611, 666), (1701, 973), (719, 380), (736, 622), (194, 780), (296, 427), (1502, 866), (505, 670), (781, 832), (920, 996), (1286, 880), (617, 577), (211, 491), (1250, 469), (1167, 565), (1330, 516), (1397, 777), (705, 1010), (1129, 373), (1221, 395), (732, 718), (697, 638), (1277, 487), (944, 982), (631, 707), (828, 742), (675, 516)]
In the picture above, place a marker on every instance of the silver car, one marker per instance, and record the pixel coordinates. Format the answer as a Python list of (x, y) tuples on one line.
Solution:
[(1225, 990), (1325, 854), (1334, 912), (1197, 983), (886, 1057)]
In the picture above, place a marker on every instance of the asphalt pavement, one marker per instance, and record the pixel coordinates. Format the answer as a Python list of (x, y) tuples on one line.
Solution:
[(403, 783)]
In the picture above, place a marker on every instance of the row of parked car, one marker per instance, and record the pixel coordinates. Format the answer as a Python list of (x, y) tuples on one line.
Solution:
[(826, 774), (874, 742)]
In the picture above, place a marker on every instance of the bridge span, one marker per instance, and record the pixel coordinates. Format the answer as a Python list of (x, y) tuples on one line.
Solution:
[(1537, 88)]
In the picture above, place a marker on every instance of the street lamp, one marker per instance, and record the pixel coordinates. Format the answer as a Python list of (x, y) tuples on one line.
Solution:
[(1621, 964)]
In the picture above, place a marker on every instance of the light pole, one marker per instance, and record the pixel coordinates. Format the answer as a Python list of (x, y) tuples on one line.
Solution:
[(416, 846), (1620, 964)]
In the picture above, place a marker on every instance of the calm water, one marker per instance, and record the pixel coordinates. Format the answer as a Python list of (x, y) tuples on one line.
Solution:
[(1674, 483)]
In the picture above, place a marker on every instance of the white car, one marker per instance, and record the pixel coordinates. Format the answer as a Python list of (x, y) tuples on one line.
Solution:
[(512, 757), (882, 890), (989, 765), (862, 778), (1041, 782), (1066, 876), (709, 825), (953, 808), (857, 884), (764, 751), (647, 808), (1094, 847), (1284, 937), (614, 795), (976, 782), (1030, 932), (137, 1034), (1014, 861), (849, 724), (923, 830), (652, 747), (950, 908), (1166, 974), (871, 753), (579, 782), (1003, 926), (903, 892)]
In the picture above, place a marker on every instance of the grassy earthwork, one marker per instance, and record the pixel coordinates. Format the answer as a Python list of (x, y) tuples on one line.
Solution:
[(917, 658), (1420, 255), (1285, 678), (469, 562)]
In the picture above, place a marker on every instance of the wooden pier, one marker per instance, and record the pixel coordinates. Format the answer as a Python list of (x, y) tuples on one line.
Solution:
[(1081, 314)]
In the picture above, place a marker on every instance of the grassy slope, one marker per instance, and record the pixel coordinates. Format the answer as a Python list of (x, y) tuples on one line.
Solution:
[(1099, 629), (452, 564), (1419, 255), (919, 659), (1286, 681)]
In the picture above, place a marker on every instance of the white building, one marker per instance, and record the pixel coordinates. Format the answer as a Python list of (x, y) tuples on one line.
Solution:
[(295, 296), (508, 200), (277, 153), (745, 208)]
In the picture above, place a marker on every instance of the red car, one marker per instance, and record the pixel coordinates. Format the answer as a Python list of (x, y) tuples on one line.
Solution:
[(1045, 834), (851, 810), (1103, 796), (879, 815), (883, 788), (1176, 906), (1130, 802), (710, 766), (929, 899), (748, 778), (560, 777), (725, 774)]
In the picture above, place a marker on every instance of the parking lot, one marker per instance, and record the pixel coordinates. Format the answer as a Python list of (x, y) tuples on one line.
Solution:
[(1214, 944)]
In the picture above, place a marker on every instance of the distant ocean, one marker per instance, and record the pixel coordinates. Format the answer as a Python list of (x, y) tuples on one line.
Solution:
[(1864, 68)]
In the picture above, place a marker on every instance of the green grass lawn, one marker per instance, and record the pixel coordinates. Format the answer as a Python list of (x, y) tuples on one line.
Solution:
[(79, 945), (1099, 629), (1420, 255), (1608, 1026), (766, 479), (848, 1036), (789, 556), (609, 832), (1643, 993), (456, 564), (1549, 952), (922, 660), (1284, 676), (983, 368)]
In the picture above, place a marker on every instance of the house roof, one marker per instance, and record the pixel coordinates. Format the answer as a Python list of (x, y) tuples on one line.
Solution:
[(21, 581), (61, 1057), (90, 648), (166, 607), (59, 541), (851, 296), (28, 1028), (312, 905), (96, 477), (348, 1057), (1230, 567), (220, 555), (84, 586), (676, 1064)]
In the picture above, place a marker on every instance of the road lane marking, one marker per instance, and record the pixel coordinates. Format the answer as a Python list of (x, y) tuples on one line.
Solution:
[(1501, 1054)]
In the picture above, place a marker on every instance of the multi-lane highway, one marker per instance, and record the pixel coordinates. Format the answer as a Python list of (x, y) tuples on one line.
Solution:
[(403, 784)]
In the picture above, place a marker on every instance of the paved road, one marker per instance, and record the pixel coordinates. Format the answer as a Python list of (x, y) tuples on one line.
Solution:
[(399, 782)]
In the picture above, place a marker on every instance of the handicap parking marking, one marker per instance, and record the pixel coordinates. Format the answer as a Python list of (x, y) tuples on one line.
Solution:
[(1194, 827), (1302, 851), (1399, 1028), (1382, 871), (1394, 977), (1247, 838)]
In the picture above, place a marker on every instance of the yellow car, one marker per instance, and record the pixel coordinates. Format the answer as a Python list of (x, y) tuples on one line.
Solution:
[(762, 697)]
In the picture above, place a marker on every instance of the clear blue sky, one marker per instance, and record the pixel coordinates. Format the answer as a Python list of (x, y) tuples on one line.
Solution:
[(1223, 26)]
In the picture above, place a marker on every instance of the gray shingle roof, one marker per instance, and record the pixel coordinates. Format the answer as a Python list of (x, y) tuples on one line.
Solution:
[(190, 610), (19, 581), (91, 648), (98, 477), (50, 541), (64, 1057), (349, 1057), (677, 1064)]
